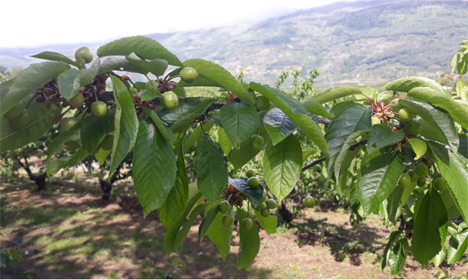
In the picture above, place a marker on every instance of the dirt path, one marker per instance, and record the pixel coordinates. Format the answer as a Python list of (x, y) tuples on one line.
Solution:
[(69, 232)]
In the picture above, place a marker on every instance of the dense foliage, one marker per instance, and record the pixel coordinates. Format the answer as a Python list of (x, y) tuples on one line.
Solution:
[(399, 152)]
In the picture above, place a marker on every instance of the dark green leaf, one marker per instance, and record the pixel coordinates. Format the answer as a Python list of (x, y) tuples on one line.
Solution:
[(377, 180), (408, 83), (149, 94), (189, 141), (296, 112), (278, 125), (393, 204), (221, 235), (352, 119), (429, 217), (269, 224), (176, 201), (316, 108), (254, 194), (463, 150), (211, 168), (439, 121), (155, 66), (33, 77), (125, 123), (391, 240), (54, 56), (335, 93), (282, 165), (221, 76), (171, 232), (70, 81), (381, 136), (344, 150), (144, 47), (188, 109), (398, 255), (249, 242), (209, 218), (462, 66), (93, 130), (239, 121), (182, 235), (166, 133)]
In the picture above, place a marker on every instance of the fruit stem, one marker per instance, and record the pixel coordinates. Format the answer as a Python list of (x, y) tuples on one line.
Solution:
[(400, 96), (95, 94), (31, 99), (370, 99)]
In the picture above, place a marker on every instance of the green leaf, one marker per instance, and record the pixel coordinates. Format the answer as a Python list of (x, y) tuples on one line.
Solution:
[(419, 147), (154, 167), (335, 93), (155, 66), (188, 109), (269, 224), (353, 118), (176, 201), (189, 141), (70, 81), (455, 173), (462, 89), (93, 130), (239, 121), (167, 134), (439, 121), (429, 217), (282, 165), (278, 125), (462, 66), (224, 141), (211, 168), (255, 194), (149, 94), (394, 235), (316, 108), (31, 78), (457, 246), (454, 62), (249, 242), (344, 150), (221, 76), (463, 150), (296, 112), (407, 192), (221, 235), (54, 56), (458, 109), (172, 231), (377, 180), (408, 83), (439, 258), (102, 155), (450, 205), (41, 121), (125, 123), (381, 136), (393, 204), (144, 47), (209, 218), (246, 152), (398, 255), (182, 235), (201, 81)]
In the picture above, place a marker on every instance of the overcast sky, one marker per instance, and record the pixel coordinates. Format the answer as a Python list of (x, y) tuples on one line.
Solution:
[(42, 22)]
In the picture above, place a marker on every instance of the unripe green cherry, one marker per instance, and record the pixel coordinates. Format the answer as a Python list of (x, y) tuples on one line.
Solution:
[(133, 90), (247, 223), (413, 128), (77, 100), (71, 146), (107, 142), (257, 141), (413, 175), (271, 204), (15, 111), (253, 182), (250, 173), (421, 181), (261, 102), (440, 184), (308, 202), (224, 206), (85, 53), (227, 220), (405, 115), (169, 100), (405, 180), (99, 108), (188, 75), (265, 212), (375, 121), (20, 121), (421, 170), (67, 123)]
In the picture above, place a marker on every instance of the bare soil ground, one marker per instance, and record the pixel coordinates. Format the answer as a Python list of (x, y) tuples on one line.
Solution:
[(68, 231)]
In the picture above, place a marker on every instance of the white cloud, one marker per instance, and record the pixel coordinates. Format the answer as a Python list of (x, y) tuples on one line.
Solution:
[(37, 23)]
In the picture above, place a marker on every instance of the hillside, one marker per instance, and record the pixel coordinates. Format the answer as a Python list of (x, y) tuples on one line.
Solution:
[(351, 43)]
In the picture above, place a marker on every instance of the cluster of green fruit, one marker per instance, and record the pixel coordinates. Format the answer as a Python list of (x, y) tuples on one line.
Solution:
[(18, 116), (419, 174)]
